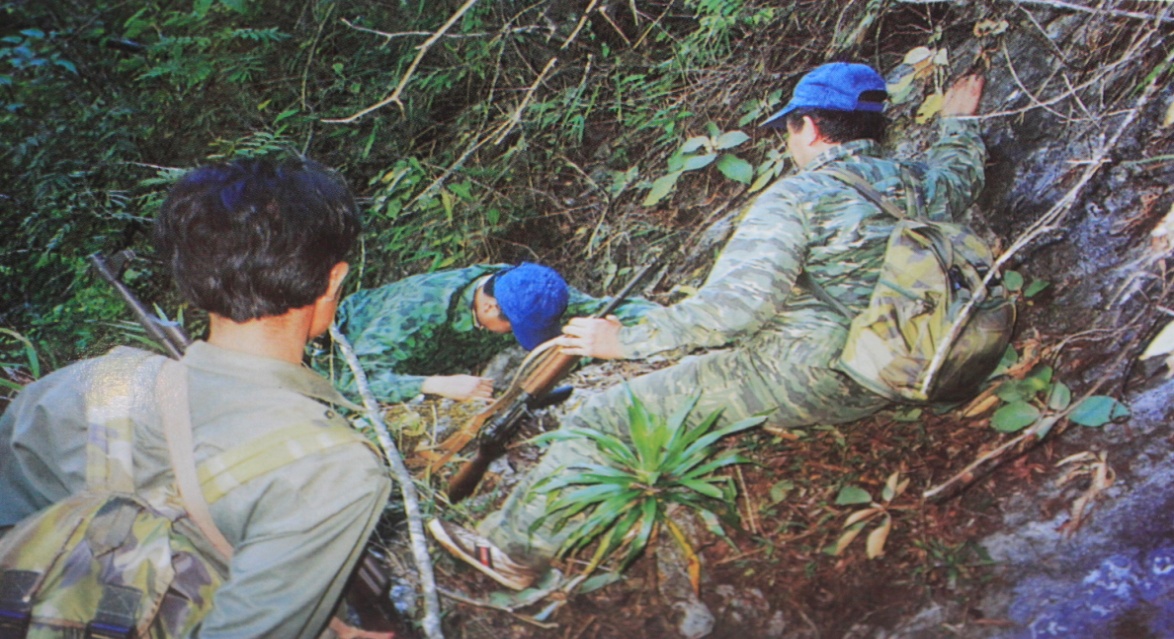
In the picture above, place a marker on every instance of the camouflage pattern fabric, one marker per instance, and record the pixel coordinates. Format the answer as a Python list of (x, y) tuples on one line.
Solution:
[(110, 556), (105, 555), (295, 532), (423, 325), (783, 340), (930, 275)]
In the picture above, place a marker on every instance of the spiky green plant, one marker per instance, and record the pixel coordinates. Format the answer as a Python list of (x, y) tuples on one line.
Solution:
[(625, 499)]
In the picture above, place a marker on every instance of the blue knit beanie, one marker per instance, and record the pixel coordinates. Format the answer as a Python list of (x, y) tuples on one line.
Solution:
[(533, 298)]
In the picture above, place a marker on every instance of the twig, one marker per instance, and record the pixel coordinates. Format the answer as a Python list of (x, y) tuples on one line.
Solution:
[(1072, 6), (420, 34), (1045, 224), (751, 519), (456, 596), (419, 544), (423, 50)]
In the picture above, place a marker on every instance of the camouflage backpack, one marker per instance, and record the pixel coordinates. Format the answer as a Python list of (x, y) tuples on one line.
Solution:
[(113, 561), (933, 331)]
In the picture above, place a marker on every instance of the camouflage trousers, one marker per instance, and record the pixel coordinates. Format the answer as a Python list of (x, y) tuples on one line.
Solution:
[(783, 374)]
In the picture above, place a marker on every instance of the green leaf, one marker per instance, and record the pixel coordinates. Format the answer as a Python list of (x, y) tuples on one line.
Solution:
[(735, 168), (597, 581), (694, 144), (851, 495), (1034, 288), (1098, 410), (695, 162), (1010, 358), (780, 490), (661, 188), (1059, 396), (1039, 379), (730, 139), (1012, 391), (1012, 280), (1014, 417)]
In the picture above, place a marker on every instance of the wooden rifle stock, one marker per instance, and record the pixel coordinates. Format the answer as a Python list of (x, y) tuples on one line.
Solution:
[(497, 424)]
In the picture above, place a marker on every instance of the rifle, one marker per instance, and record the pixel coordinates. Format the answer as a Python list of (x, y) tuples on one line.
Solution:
[(367, 591), (499, 422)]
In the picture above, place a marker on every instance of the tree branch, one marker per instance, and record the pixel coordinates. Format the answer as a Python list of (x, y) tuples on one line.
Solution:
[(394, 97), (407, 485)]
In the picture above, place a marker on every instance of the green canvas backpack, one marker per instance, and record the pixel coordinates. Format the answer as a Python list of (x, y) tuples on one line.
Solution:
[(934, 329), (111, 561)]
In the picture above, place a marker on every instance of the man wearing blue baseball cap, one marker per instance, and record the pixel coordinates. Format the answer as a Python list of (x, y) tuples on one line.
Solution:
[(779, 339), (422, 334)]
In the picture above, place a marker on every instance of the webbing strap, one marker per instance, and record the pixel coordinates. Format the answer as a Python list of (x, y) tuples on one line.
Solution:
[(172, 390), (108, 400), (867, 190), (220, 474), (872, 195)]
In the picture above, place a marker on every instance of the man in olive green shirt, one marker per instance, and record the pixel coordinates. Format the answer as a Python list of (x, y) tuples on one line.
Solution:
[(260, 246)]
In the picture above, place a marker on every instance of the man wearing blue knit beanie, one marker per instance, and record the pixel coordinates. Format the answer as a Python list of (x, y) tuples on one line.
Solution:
[(425, 333)]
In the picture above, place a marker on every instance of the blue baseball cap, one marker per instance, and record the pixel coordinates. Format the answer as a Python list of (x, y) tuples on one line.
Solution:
[(533, 298), (836, 86)]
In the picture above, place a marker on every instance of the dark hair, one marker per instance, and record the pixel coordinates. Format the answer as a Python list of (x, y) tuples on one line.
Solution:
[(841, 126), (256, 238)]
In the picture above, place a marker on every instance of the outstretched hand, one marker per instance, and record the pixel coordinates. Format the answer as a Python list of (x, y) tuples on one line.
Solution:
[(592, 337), (962, 98), (459, 387)]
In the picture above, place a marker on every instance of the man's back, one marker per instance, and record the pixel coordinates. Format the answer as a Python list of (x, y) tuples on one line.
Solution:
[(293, 513)]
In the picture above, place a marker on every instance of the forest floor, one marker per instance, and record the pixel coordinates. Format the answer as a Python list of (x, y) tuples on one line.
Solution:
[(780, 578)]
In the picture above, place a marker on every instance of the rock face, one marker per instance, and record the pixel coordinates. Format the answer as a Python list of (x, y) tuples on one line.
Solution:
[(1095, 155)]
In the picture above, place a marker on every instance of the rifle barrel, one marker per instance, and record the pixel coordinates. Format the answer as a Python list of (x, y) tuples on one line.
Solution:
[(168, 334)]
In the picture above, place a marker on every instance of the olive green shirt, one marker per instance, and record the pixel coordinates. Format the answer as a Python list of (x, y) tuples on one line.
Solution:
[(297, 531)]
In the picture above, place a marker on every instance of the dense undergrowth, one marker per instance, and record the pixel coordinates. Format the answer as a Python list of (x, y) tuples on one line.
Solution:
[(516, 131)]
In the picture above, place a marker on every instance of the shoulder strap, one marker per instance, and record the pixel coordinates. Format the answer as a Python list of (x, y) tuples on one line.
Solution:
[(867, 190), (872, 195), (172, 391), (220, 474)]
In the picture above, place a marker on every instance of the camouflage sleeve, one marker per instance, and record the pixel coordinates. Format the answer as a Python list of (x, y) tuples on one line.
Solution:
[(955, 173), (748, 285), (583, 305), (384, 332)]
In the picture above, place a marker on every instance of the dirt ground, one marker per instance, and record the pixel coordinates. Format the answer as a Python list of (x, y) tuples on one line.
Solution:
[(779, 579)]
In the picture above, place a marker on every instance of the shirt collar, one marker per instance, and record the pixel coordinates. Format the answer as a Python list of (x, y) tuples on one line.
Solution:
[(841, 151), (264, 371)]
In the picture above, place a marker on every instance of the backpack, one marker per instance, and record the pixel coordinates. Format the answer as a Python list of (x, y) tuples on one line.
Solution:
[(111, 561), (937, 323)]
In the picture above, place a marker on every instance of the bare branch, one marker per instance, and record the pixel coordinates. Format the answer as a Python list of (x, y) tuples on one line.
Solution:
[(419, 34), (407, 487), (1072, 6), (423, 50)]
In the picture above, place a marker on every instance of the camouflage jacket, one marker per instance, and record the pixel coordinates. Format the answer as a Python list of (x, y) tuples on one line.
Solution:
[(297, 531), (423, 325), (815, 222)]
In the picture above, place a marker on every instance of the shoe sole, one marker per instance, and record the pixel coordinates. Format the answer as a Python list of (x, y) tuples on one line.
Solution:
[(441, 536)]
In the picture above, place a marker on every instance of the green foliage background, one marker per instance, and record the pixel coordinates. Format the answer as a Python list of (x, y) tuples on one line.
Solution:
[(527, 130)]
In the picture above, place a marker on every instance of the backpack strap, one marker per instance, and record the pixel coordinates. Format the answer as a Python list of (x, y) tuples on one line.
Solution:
[(220, 474), (172, 391), (872, 195), (867, 190), (109, 397)]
